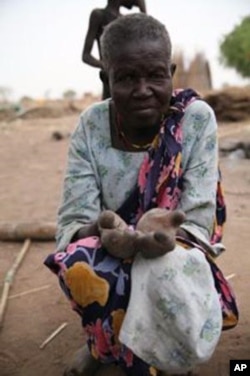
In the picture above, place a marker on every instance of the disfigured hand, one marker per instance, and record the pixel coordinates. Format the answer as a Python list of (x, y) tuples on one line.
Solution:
[(158, 228), (154, 234), (116, 236)]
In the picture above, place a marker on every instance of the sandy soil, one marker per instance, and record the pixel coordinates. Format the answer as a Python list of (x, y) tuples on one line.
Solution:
[(31, 170)]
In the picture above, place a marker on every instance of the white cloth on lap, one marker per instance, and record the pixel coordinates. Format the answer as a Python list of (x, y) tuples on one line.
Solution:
[(174, 319)]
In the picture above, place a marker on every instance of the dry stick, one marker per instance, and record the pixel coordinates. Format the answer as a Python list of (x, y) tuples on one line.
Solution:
[(10, 277), (53, 335), (230, 276), (29, 292)]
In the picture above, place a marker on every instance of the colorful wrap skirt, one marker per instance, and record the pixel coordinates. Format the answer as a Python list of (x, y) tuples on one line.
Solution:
[(98, 288)]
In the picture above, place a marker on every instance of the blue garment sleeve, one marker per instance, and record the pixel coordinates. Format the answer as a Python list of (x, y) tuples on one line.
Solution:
[(80, 203), (200, 167)]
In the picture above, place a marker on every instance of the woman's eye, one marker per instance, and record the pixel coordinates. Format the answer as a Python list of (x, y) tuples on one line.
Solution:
[(157, 75), (127, 78)]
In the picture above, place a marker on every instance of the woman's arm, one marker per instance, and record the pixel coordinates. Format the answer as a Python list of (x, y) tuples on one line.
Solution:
[(94, 25), (142, 6), (200, 165), (80, 204)]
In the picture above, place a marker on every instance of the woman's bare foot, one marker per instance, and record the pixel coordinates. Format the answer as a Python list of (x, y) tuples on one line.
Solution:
[(110, 370)]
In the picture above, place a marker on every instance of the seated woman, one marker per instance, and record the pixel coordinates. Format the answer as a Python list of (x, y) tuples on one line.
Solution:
[(147, 147)]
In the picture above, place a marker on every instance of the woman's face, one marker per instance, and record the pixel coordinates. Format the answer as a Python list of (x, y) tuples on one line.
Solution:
[(140, 81)]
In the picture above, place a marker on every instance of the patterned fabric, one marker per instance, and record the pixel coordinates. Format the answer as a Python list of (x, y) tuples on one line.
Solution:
[(230, 313), (160, 176), (173, 320), (220, 217), (229, 307), (98, 285)]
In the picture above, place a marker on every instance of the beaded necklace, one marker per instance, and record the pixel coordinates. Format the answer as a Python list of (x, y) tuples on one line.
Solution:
[(125, 139)]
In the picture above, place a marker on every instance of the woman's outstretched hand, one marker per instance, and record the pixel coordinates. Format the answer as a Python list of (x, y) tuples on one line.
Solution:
[(154, 235)]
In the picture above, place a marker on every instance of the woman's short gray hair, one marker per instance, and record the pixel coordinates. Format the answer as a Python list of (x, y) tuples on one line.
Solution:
[(130, 28)]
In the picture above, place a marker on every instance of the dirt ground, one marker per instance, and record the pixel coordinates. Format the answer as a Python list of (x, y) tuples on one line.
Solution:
[(31, 169)]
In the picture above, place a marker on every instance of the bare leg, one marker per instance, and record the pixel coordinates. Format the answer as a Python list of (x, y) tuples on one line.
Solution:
[(82, 364)]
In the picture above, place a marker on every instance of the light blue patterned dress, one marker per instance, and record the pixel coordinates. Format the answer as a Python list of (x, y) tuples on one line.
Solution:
[(100, 177)]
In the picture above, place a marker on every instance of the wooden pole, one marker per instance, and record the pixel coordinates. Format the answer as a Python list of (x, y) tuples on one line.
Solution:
[(31, 291), (10, 277)]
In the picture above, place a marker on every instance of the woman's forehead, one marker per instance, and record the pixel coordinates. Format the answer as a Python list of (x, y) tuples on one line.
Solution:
[(142, 49)]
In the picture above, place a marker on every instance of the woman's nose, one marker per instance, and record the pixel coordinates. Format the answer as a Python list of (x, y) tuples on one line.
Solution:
[(141, 88)]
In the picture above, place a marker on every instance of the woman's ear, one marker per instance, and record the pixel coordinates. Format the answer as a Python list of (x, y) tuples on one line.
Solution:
[(173, 69)]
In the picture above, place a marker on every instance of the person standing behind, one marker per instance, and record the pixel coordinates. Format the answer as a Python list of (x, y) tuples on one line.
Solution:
[(99, 18)]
